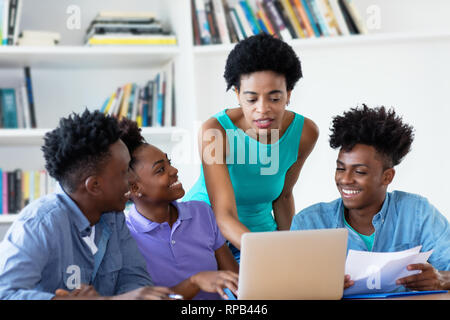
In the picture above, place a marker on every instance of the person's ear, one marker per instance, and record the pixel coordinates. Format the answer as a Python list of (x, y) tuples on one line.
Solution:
[(93, 185), (288, 100), (388, 176), (135, 191)]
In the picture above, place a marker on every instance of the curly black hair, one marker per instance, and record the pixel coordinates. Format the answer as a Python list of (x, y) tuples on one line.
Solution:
[(79, 146), (130, 134), (262, 52), (377, 127)]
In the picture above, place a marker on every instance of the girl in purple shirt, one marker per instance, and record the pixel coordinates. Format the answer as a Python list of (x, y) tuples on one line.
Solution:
[(180, 241)]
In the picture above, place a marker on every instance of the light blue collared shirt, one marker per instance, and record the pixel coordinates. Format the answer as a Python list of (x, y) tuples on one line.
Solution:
[(405, 221), (44, 251)]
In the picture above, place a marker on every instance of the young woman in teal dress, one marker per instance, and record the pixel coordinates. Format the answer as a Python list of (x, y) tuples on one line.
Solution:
[(252, 155)]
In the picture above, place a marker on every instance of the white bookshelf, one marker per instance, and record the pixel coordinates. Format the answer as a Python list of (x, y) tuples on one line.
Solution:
[(7, 218)]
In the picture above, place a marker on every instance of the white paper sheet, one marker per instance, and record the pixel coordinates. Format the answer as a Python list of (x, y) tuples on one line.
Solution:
[(376, 272)]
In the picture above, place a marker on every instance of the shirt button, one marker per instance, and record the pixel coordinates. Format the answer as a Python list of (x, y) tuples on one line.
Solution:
[(173, 241)]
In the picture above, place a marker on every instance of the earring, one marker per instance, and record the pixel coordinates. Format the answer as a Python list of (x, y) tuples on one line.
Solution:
[(139, 195)]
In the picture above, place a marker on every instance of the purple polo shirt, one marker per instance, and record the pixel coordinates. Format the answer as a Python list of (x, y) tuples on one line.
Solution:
[(174, 254)]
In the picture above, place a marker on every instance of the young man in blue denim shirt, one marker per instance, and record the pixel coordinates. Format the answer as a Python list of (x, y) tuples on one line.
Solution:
[(75, 243), (372, 142)]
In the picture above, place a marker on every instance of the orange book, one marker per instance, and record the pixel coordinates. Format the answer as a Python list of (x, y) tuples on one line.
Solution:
[(292, 18), (126, 96), (304, 17)]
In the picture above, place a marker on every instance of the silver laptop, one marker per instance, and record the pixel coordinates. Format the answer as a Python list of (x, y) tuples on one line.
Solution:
[(293, 265)]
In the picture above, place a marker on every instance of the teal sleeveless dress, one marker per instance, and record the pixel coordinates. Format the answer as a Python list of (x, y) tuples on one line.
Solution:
[(257, 172)]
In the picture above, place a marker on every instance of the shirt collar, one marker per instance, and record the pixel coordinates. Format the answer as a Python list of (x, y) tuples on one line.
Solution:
[(339, 220), (76, 216), (142, 224)]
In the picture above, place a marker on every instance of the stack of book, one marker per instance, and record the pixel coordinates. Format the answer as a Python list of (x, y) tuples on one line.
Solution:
[(10, 12), (127, 28), (17, 105), (19, 187), (150, 105), (225, 21)]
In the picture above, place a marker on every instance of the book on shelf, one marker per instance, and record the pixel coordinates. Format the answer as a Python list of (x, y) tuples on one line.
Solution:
[(127, 28), (150, 105), (16, 108), (229, 21), (20, 187), (10, 16)]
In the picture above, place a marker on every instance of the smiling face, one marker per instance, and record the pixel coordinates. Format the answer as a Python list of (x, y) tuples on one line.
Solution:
[(263, 97), (157, 180), (361, 178)]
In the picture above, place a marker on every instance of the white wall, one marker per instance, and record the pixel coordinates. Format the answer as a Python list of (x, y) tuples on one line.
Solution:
[(409, 75)]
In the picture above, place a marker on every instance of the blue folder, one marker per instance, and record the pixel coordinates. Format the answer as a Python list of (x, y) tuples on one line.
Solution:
[(391, 294)]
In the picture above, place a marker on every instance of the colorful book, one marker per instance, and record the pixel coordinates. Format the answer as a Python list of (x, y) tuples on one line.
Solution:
[(339, 17), (248, 11), (219, 13), (319, 17), (304, 17), (203, 25), (9, 108), (273, 12), (5, 207), (328, 17), (292, 18), (311, 18)]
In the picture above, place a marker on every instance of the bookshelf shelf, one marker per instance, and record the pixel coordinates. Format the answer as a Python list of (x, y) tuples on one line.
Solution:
[(7, 218), (65, 57), (380, 38), (34, 137)]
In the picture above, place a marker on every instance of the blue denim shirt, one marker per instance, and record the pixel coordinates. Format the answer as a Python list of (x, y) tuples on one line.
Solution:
[(44, 251), (405, 221)]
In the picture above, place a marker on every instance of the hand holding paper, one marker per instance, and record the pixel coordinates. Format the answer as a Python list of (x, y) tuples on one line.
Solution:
[(375, 272)]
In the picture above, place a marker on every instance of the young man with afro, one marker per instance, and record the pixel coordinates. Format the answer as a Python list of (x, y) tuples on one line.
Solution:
[(372, 142), (74, 243)]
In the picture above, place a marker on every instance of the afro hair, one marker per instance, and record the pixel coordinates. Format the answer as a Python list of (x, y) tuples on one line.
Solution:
[(377, 127), (130, 134), (262, 52), (79, 146)]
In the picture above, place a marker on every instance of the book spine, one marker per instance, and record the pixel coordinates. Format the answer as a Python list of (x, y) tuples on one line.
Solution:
[(347, 17), (5, 192), (265, 19), (17, 22), (273, 11), (237, 24), (215, 37), (292, 18), (205, 33), (230, 25), (8, 97), (339, 17), (11, 192), (248, 11), (285, 18), (1, 191), (320, 19), (357, 19), (30, 96), (243, 19), (330, 19), (195, 26), (18, 189), (4, 22), (12, 20), (25, 188), (304, 17), (219, 14), (311, 18)]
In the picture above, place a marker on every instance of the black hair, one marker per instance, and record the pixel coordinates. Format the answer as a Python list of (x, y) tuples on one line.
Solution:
[(79, 146), (131, 135), (377, 127), (262, 52)]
